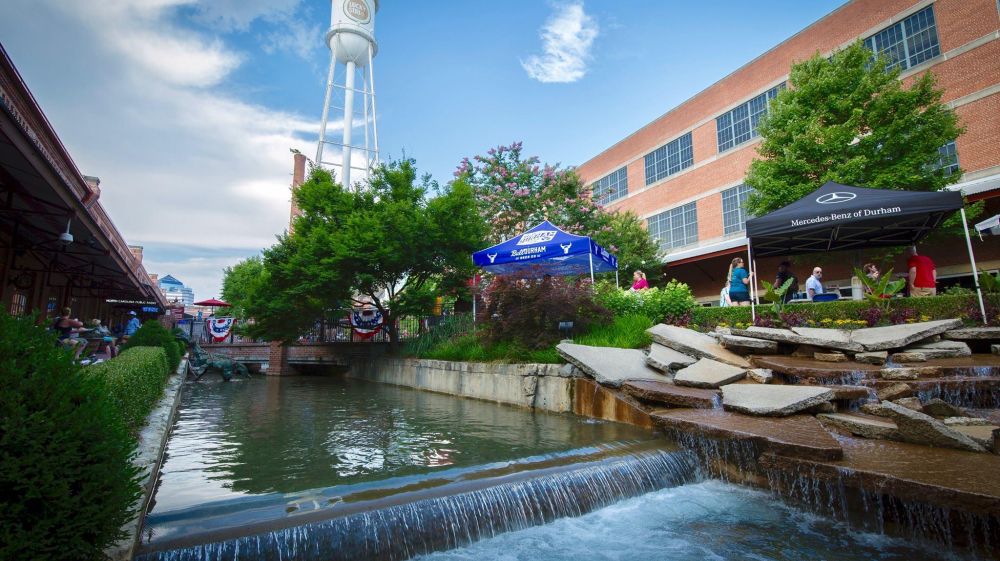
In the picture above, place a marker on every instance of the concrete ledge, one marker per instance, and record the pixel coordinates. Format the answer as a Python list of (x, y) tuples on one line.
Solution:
[(539, 386), (152, 442)]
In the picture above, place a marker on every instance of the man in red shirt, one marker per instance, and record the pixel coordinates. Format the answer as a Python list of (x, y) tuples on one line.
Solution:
[(923, 274)]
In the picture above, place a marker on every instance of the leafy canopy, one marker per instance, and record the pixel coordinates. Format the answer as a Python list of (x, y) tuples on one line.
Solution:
[(238, 283), (848, 119)]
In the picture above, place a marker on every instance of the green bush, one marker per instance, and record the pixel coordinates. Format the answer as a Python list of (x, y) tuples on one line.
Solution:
[(450, 328), (933, 308), (469, 348), (626, 332), (153, 334), (671, 304), (67, 484), (134, 381)]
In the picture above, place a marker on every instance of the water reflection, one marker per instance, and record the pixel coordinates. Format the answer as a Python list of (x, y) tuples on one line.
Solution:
[(271, 435)]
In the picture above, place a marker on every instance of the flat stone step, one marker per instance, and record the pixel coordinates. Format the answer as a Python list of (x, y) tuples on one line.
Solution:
[(693, 343), (965, 481), (962, 391), (772, 400), (670, 395), (973, 334), (865, 426), (607, 365), (846, 392), (823, 338), (899, 336), (666, 359), (708, 373), (942, 349), (798, 435), (794, 369), (748, 345), (919, 428)]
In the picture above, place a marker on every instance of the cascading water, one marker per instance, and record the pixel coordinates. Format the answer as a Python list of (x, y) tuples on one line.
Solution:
[(402, 531)]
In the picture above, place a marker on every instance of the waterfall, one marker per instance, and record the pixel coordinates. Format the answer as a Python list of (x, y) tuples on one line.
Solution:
[(402, 531)]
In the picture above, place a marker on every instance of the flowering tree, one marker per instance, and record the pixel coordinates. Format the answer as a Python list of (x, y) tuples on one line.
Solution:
[(514, 193)]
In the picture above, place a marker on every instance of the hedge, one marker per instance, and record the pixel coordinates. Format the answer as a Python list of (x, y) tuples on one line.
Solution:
[(67, 484), (153, 334), (671, 304), (933, 308), (134, 381)]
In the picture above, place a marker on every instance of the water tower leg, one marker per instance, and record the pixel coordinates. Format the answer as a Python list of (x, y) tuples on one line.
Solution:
[(348, 121), (326, 107)]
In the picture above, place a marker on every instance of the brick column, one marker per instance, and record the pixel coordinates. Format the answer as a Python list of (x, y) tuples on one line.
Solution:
[(277, 360)]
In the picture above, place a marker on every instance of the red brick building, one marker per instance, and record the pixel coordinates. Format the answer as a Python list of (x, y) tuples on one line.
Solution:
[(684, 172)]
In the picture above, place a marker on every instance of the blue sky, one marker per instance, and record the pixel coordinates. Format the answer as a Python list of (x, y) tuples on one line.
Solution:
[(186, 109)]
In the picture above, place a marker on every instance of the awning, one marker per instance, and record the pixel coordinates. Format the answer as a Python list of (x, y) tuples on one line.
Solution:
[(989, 226), (548, 250)]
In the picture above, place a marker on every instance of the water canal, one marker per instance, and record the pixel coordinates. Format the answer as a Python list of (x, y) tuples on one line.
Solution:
[(325, 467)]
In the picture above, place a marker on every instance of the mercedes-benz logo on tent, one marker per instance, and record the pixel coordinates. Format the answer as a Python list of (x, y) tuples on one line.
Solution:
[(835, 197)]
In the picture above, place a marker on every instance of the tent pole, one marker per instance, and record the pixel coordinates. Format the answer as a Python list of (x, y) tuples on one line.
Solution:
[(616, 279), (750, 289), (473, 298), (975, 271), (591, 256)]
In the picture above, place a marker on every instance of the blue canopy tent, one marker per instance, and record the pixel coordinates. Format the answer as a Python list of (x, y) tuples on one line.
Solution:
[(548, 250)]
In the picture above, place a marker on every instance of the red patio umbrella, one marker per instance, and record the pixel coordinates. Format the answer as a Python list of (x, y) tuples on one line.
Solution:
[(213, 303)]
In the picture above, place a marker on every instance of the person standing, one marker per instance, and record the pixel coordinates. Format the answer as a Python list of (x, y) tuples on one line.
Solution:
[(739, 283), (724, 300), (639, 281), (814, 284), (922, 278), (132, 326), (785, 273)]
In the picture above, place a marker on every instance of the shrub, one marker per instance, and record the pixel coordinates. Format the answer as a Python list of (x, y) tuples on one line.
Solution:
[(527, 311), (67, 484), (469, 348), (626, 332), (449, 328), (134, 381), (153, 334), (671, 304)]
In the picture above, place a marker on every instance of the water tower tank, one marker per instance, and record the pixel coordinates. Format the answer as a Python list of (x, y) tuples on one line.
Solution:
[(352, 30)]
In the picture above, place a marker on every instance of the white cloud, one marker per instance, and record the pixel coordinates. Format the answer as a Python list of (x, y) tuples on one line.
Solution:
[(566, 40)]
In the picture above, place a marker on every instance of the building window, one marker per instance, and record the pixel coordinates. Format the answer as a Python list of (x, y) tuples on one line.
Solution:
[(18, 304), (734, 214), (740, 124), (947, 159), (669, 159), (676, 227), (611, 187), (909, 42)]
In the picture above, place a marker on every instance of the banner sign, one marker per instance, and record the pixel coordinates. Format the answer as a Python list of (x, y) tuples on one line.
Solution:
[(366, 323), (219, 328)]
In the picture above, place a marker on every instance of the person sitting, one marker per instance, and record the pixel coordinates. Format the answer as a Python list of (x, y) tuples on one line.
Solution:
[(639, 281), (785, 273), (67, 328), (814, 287), (739, 283), (922, 278), (132, 326), (108, 340)]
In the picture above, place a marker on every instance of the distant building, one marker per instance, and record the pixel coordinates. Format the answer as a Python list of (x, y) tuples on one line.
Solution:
[(174, 290)]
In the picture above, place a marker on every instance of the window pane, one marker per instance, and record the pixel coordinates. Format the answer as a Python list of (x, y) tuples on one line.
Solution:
[(909, 42), (669, 159), (676, 227), (740, 124), (611, 187)]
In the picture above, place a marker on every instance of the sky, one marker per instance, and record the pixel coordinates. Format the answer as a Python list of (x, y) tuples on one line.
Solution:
[(187, 109)]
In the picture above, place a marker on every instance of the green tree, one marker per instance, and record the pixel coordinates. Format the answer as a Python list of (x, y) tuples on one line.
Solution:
[(624, 235), (238, 283), (848, 119)]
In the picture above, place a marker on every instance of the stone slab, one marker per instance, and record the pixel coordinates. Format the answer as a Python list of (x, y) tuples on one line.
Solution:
[(822, 340), (966, 422), (693, 343), (609, 366), (899, 336), (909, 356), (760, 375), (830, 357), (898, 374), (799, 435), (671, 395), (707, 373), (980, 434), (895, 391), (761, 346), (847, 392), (666, 359), (831, 338), (802, 367), (940, 408), (866, 426), (973, 334), (923, 429), (912, 403), (874, 357), (771, 400), (943, 349)]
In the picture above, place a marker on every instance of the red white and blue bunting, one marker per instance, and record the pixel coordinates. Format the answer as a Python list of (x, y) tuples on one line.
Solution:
[(218, 328), (366, 323)]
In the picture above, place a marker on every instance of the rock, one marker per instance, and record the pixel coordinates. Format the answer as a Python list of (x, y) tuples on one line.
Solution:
[(567, 370), (943, 349), (760, 375), (874, 357), (707, 373), (898, 336), (847, 393), (898, 374), (995, 349), (804, 368), (748, 345), (671, 395), (806, 351), (823, 338), (909, 356), (609, 366), (720, 331), (895, 391), (940, 408), (825, 407), (909, 403), (918, 428), (874, 409), (830, 357), (980, 434), (695, 344), (865, 426), (966, 422), (666, 359), (772, 401), (973, 334)]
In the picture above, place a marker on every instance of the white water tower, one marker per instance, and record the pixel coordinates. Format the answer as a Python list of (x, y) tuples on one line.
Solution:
[(352, 48)]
